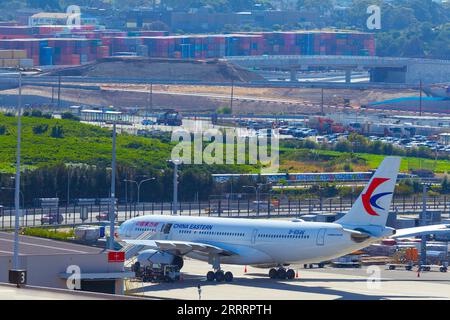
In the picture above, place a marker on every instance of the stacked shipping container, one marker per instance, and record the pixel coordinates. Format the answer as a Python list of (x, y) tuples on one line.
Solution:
[(61, 45), (14, 58)]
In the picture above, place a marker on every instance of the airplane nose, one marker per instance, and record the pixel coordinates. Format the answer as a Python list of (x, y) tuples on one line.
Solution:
[(120, 231)]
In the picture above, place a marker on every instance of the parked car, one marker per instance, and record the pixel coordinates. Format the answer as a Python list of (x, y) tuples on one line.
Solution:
[(262, 206), (104, 216), (148, 122), (52, 219)]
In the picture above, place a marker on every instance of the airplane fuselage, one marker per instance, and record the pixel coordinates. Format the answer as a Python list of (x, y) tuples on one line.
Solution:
[(255, 241)]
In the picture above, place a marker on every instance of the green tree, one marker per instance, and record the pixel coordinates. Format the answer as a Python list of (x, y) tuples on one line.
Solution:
[(57, 132)]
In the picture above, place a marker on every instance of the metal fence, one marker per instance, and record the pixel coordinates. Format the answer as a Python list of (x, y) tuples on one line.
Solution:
[(88, 214)]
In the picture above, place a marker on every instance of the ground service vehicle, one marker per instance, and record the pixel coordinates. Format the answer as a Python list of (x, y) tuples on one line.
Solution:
[(157, 272)]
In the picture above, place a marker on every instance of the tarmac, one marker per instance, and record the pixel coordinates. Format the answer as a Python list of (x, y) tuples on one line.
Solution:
[(311, 284), (39, 246), (11, 292)]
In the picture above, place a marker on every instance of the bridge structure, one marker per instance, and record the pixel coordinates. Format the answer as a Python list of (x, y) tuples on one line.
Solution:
[(381, 69)]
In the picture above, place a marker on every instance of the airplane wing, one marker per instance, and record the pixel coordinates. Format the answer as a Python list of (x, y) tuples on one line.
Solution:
[(181, 247), (425, 230)]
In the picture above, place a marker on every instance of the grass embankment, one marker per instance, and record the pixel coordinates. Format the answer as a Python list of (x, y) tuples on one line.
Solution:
[(306, 160), (44, 145), (75, 143)]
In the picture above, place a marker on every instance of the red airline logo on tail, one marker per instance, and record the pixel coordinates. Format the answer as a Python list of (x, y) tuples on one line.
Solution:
[(369, 201)]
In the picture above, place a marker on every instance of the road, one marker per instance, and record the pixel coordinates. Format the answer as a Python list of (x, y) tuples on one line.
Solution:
[(53, 80)]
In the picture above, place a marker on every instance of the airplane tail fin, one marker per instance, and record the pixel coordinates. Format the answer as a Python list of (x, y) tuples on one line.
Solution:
[(371, 209)]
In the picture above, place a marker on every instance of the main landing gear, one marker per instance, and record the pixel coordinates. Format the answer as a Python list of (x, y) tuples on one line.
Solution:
[(219, 276), (281, 273)]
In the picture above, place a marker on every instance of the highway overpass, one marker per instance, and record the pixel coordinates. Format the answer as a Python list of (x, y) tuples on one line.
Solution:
[(381, 69)]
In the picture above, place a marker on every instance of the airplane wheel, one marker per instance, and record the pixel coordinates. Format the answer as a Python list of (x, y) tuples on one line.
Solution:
[(210, 276), (272, 273), (228, 276), (290, 274), (220, 276), (281, 273)]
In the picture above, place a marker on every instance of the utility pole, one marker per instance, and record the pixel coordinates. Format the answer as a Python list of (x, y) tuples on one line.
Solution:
[(321, 104), (232, 95), (420, 99), (59, 92), (112, 215), (151, 97)]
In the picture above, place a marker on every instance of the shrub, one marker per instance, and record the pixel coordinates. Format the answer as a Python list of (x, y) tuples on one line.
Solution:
[(36, 113), (57, 132), (69, 116), (49, 234), (224, 110), (40, 129)]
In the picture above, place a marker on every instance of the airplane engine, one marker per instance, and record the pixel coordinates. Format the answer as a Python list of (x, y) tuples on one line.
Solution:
[(152, 256)]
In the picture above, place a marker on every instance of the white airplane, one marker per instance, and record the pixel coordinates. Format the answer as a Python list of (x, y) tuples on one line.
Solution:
[(267, 243)]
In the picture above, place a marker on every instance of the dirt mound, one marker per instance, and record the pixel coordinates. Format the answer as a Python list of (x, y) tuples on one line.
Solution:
[(161, 69)]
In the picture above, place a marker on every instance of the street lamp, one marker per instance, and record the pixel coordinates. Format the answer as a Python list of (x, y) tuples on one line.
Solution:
[(257, 189), (138, 184)]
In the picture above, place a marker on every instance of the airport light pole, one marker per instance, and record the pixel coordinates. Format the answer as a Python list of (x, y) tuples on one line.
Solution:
[(112, 215), (423, 222), (176, 163), (16, 275)]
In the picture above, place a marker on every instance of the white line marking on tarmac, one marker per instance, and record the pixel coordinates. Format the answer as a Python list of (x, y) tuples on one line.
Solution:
[(44, 246)]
